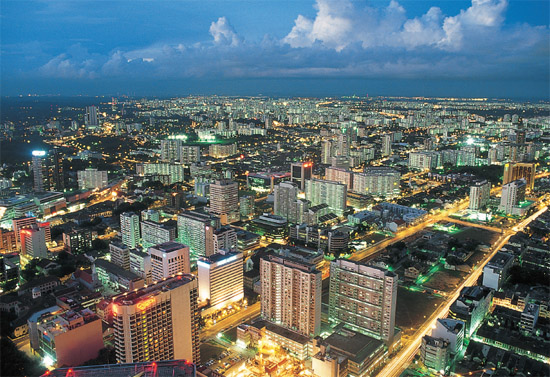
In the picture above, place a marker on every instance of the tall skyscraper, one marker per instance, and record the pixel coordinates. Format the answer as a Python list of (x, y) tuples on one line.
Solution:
[(291, 294), (158, 322), (47, 170), (334, 194), (514, 171), (285, 193), (512, 194), (169, 258), (224, 201), (363, 298), (386, 145), (196, 230), (221, 279), (91, 118), (300, 172), (129, 228), (22, 223), (479, 195)]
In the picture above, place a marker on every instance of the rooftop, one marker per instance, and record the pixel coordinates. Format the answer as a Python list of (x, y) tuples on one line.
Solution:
[(130, 298), (179, 368), (355, 345)]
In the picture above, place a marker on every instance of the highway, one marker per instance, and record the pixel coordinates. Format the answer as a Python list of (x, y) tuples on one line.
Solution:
[(236, 319), (473, 225), (401, 360)]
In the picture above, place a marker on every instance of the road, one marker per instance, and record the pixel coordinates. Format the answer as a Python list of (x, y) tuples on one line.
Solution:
[(231, 321), (399, 362), (430, 220), (473, 225)]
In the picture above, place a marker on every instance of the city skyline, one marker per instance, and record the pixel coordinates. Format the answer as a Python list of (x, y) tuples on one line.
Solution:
[(483, 48)]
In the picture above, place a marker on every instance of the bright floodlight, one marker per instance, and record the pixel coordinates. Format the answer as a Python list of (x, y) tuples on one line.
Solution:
[(470, 141), (39, 153)]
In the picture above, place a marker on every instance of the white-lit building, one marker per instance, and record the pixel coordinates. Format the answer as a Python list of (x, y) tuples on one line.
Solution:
[(92, 179), (169, 259), (479, 195), (285, 193), (496, 271), (424, 160), (221, 278), (33, 242), (154, 233), (513, 194), (129, 229), (334, 194)]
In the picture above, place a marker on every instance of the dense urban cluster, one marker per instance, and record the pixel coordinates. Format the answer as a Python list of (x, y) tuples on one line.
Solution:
[(254, 236)]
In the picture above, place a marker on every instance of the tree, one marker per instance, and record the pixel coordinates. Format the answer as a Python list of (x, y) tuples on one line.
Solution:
[(99, 244), (31, 270), (16, 363)]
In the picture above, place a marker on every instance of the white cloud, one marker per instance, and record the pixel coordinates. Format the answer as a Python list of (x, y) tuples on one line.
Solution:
[(223, 32), (343, 40)]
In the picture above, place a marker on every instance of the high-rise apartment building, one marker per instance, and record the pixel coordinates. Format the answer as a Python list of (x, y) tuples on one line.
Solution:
[(479, 195), (33, 242), (386, 145), (170, 150), (377, 181), (120, 254), (334, 194), (515, 171), (221, 279), (224, 201), (151, 215), (78, 241), (424, 160), (512, 194), (300, 172), (169, 259), (91, 119), (92, 179), (291, 294), (158, 322), (47, 170), (326, 152), (222, 150), (225, 238), (363, 298), (196, 230), (174, 171), (343, 176), (190, 154), (285, 193), (154, 233), (129, 229)]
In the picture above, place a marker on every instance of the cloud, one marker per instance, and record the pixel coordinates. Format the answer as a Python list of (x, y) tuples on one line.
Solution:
[(223, 32), (344, 39)]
